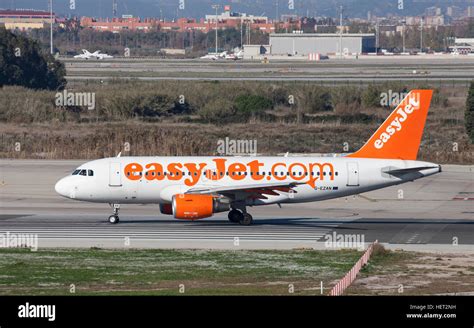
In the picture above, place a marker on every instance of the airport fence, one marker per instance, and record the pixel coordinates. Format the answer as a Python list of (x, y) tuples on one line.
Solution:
[(349, 278)]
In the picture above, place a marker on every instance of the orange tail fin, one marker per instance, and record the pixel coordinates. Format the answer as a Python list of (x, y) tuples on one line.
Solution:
[(399, 136)]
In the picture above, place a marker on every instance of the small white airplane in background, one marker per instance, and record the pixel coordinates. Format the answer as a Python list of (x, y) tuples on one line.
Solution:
[(192, 188), (217, 56), (89, 55), (235, 56)]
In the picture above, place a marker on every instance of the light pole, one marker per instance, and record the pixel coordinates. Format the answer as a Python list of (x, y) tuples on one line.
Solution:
[(340, 32), (51, 23), (403, 36), (216, 7), (421, 35), (241, 32), (377, 37), (277, 10)]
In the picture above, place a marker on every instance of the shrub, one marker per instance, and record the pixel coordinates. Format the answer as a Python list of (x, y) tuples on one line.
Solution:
[(371, 96), (317, 99), (152, 106), (218, 110), (251, 105), (469, 114)]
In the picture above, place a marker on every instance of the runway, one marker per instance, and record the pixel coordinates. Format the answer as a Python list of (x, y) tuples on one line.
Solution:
[(436, 69), (435, 214)]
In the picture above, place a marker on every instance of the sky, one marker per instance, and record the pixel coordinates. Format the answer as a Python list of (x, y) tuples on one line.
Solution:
[(198, 8)]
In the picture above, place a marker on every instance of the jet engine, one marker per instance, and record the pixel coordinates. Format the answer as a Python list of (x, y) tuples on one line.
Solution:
[(194, 207), (166, 209)]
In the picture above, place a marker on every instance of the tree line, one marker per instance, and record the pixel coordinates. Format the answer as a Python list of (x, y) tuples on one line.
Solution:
[(23, 63)]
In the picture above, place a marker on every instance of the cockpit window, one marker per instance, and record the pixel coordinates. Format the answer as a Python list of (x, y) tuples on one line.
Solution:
[(85, 172)]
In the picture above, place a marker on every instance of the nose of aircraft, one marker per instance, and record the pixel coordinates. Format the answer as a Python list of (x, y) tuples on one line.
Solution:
[(62, 187)]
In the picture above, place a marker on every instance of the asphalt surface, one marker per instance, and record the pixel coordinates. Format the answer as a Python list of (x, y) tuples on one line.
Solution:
[(435, 214), (432, 68)]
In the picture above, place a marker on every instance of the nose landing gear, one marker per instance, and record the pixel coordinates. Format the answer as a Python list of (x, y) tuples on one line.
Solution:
[(114, 218)]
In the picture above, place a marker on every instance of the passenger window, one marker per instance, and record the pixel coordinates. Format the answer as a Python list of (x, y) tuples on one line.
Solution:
[(90, 173)]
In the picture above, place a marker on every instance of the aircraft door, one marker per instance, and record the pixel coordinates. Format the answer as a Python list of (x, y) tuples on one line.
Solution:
[(352, 174), (115, 176)]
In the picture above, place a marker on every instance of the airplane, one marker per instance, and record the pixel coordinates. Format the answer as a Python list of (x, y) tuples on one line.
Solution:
[(192, 188), (96, 54), (235, 56), (85, 55), (217, 56)]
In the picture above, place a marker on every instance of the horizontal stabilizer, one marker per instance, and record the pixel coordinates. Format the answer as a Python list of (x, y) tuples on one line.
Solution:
[(410, 170)]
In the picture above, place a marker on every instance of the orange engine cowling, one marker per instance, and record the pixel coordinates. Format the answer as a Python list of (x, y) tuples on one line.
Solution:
[(194, 207)]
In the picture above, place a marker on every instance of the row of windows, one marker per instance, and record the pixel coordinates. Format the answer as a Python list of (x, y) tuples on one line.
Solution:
[(241, 173), (89, 173)]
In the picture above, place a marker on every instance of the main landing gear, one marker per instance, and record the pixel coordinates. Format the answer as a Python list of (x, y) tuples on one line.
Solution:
[(114, 218), (241, 217)]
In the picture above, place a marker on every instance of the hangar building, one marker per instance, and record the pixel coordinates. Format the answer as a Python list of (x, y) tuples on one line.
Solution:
[(323, 43)]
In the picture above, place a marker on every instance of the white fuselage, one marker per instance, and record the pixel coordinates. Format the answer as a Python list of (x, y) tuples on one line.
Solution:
[(108, 182)]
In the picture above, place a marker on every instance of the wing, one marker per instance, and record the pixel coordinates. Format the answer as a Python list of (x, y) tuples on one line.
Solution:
[(255, 191)]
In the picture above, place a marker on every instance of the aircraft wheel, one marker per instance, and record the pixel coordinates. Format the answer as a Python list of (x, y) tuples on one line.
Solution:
[(246, 220), (114, 219), (235, 216)]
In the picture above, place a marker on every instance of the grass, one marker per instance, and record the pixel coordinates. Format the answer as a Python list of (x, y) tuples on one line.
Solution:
[(161, 272), (31, 120), (97, 140), (414, 273)]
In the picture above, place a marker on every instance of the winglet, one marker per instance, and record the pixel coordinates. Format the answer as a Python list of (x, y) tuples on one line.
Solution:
[(399, 136)]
